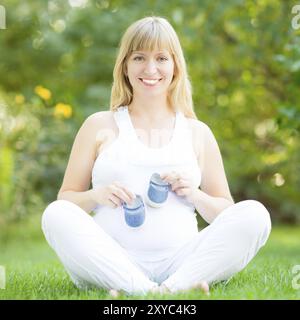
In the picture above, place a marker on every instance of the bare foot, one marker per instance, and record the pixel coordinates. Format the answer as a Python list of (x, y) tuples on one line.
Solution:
[(114, 293), (162, 289), (203, 286)]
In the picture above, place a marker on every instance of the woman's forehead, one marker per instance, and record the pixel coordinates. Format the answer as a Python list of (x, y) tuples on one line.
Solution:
[(154, 51)]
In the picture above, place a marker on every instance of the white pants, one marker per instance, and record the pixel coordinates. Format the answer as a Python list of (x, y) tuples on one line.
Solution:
[(93, 258)]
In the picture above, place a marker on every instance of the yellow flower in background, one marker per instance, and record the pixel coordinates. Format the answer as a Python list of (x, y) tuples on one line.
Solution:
[(43, 92), (19, 99), (62, 110)]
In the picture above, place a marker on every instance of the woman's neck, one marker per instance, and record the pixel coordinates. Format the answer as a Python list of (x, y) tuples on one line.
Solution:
[(152, 111)]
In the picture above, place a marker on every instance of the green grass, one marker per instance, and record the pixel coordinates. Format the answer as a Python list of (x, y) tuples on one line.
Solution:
[(34, 272)]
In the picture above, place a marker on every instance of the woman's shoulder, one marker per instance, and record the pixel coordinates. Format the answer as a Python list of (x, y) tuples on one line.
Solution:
[(102, 126), (202, 137), (198, 127), (100, 119), (100, 116)]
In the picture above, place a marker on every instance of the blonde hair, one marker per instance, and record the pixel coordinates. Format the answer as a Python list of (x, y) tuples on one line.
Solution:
[(152, 33)]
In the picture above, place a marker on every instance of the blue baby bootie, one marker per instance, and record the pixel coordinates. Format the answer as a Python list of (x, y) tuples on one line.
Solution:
[(158, 190), (134, 213)]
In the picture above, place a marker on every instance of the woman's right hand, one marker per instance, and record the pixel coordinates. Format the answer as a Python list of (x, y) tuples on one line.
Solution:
[(112, 195)]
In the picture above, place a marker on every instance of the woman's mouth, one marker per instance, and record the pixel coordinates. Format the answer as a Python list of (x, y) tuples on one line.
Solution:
[(150, 82)]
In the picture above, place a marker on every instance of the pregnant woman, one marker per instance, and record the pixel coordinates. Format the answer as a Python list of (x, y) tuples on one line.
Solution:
[(150, 128)]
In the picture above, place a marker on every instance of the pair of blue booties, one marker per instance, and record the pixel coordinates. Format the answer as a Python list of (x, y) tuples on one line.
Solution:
[(156, 196)]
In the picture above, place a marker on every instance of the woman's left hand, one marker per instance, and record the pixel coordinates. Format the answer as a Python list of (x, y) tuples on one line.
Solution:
[(181, 183)]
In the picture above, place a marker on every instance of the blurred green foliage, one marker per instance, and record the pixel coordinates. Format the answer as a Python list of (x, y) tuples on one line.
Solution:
[(243, 58)]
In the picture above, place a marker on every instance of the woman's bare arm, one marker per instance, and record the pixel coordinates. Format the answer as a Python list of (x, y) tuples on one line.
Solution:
[(214, 195), (78, 173)]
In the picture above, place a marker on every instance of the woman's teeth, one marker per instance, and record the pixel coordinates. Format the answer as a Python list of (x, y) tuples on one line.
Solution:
[(150, 82)]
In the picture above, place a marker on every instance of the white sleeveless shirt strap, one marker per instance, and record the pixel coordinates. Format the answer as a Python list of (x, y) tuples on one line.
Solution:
[(184, 134), (121, 118)]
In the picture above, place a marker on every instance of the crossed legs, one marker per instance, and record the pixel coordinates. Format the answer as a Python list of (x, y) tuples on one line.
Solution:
[(92, 257)]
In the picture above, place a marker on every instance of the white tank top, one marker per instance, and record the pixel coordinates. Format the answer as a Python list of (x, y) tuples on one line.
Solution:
[(129, 161)]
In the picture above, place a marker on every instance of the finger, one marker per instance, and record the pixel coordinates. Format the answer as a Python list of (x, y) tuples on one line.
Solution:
[(163, 175), (170, 179), (130, 194), (180, 181), (112, 204), (178, 176), (182, 191), (172, 174), (180, 184), (122, 195), (115, 200), (175, 175)]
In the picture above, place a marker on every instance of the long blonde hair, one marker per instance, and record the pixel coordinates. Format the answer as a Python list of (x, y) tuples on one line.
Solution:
[(150, 33)]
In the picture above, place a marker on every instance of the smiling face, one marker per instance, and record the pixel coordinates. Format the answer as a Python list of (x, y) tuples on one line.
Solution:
[(150, 72)]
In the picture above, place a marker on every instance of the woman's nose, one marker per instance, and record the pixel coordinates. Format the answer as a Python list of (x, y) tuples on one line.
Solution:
[(150, 67)]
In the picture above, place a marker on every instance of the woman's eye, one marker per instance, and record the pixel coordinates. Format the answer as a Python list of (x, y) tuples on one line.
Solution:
[(137, 58), (163, 59)]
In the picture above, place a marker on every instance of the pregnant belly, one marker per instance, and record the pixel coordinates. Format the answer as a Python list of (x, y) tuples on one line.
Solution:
[(164, 228)]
